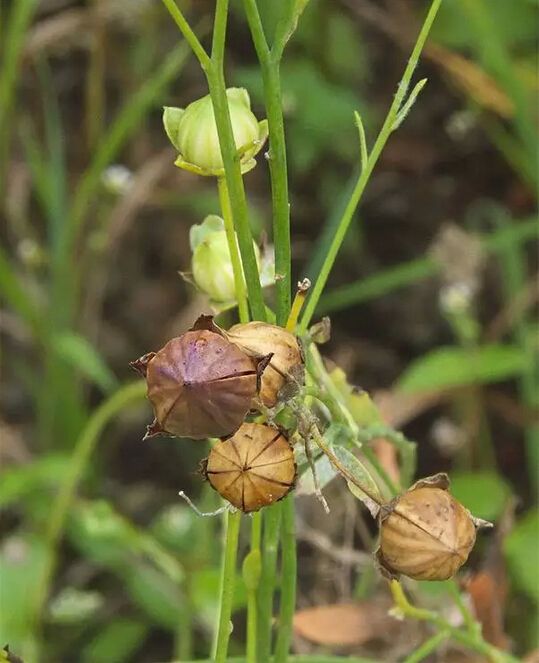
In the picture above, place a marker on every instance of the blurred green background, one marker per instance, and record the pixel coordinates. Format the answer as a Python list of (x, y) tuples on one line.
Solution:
[(433, 304)]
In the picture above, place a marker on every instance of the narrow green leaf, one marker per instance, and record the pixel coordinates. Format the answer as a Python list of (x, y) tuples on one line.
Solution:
[(361, 476), (483, 493), (79, 353), (520, 549), (449, 367)]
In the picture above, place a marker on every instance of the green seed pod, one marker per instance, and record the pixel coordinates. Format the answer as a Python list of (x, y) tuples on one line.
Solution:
[(211, 264), (193, 133)]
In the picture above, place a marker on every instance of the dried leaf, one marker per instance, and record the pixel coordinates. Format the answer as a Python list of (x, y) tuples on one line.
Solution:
[(343, 624)]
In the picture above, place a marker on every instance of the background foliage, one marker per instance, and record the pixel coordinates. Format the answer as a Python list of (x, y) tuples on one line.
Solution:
[(88, 279)]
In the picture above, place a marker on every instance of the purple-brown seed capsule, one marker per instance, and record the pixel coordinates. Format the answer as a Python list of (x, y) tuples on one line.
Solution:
[(200, 385)]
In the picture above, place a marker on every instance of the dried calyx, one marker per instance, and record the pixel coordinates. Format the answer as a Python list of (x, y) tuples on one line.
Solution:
[(253, 468), (258, 339), (426, 534), (200, 384)]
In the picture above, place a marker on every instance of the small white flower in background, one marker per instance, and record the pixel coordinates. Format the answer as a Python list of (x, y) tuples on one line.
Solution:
[(461, 123), (117, 179), (456, 297), (30, 252), (447, 437)]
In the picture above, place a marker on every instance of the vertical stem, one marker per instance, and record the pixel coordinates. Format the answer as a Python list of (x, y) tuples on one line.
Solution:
[(252, 627), (272, 524), (288, 581), (279, 188), (252, 596), (269, 65), (228, 575), (239, 282)]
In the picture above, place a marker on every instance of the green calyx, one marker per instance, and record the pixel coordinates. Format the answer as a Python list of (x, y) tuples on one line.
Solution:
[(193, 133)]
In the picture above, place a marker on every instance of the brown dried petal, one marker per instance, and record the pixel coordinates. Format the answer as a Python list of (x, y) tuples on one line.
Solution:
[(253, 468), (200, 385)]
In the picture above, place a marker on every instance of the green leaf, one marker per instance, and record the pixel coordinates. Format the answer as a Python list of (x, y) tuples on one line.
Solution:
[(20, 481), (520, 548), (72, 606), (154, 593), (450, 367), (116, 641), (483, 493), (22, 560), (79, 353), (358, 402), (355, 469)]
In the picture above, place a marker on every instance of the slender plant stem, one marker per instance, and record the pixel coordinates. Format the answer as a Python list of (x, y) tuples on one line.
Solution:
[(231, 162), (235, 258), (365, 174), (272, 524), (428, 647), (288, 581), (252, 596), (82, 451), (269, 66), (256, 529), (252, 627), (188, 33), (472, 640), (213, 69), (228, 576)]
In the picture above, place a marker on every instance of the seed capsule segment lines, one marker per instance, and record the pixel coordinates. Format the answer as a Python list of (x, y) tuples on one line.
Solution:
[(253, 468)]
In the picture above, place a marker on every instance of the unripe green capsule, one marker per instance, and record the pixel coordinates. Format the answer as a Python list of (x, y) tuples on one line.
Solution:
[(193, 133)]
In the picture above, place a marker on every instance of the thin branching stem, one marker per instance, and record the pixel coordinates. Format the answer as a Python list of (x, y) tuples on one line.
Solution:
[(366, 172), (188, 33), (228, 576)]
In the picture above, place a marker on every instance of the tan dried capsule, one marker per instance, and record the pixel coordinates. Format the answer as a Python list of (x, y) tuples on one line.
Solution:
[(426, 534), (200, 385), (260, 339), (253, 468)]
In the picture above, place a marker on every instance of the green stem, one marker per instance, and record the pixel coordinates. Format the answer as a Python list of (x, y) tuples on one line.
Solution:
[(235, 258), (228, 576), (472, 640), (252, 597), (269, 66), (272, 525), (365, 174), (231, 162), (288, 581), (427, 648), (252, 627), (188, 33), (82, 451)]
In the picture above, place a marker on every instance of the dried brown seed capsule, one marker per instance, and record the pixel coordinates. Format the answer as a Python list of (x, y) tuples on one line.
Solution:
[(260, 339), (426, 534), (253, 468), (200, 385)]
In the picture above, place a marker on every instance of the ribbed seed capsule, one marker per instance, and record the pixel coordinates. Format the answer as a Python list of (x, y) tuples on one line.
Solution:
[(200, 385), (259, 339), (426, 534), (253, 468)]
